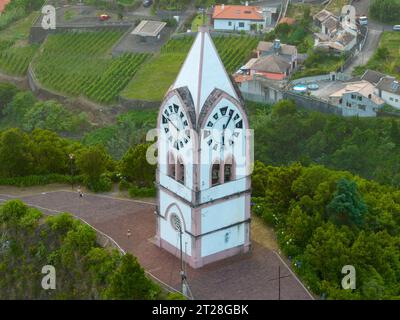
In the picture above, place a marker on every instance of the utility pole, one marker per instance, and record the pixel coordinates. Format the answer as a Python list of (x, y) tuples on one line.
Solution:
[(279, 281), (71, 159), (183, 276)]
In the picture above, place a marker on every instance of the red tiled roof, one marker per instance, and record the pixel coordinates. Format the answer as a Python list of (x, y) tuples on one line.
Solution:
[(239, 78), (3, 4), (237, 12)]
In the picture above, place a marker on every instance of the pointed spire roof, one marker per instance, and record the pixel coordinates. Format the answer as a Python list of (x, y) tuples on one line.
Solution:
[(203, 71)]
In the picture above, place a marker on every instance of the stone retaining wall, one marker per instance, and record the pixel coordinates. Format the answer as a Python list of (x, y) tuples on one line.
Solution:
[(38, 34), (313, 104)]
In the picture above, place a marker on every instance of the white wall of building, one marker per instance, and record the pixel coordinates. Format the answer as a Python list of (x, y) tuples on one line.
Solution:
[(223, 214), (391, 99), (224, 24), (222, 190), (167, 232), (176, 187), (215, 242)]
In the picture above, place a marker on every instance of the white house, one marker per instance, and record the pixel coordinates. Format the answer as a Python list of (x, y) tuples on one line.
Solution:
[(203, 174), (337, 34), (357, 98), (388, 88), (236, 17)]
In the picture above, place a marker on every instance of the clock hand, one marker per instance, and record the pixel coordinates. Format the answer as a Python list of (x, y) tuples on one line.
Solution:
[(173, 124), (224, 127), (230, 117)]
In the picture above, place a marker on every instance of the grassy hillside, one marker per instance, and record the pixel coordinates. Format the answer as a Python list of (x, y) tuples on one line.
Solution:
[(387, 57), (153, 80), (81, 64)]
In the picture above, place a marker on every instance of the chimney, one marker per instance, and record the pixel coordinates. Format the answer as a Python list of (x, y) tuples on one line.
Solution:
[(223, 6), (247, 3), (277, 46)]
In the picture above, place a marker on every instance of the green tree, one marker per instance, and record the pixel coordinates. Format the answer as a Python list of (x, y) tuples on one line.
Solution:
[(347, 205), (15, 154), (306, 18), (53, 116), (93, 162), (50, 152), (16, 109), (130, 283), (135, 167), (395, 132), (328, 251), (7, 93), (12, 212)]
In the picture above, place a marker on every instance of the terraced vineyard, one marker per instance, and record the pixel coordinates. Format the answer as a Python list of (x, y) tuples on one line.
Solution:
[(154, 78), (15, 60), (15, 51), (81, 64)]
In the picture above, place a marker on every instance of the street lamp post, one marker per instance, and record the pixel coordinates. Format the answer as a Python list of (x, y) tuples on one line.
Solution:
[(71, 159)]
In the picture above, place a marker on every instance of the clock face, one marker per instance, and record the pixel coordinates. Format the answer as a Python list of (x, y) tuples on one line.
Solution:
[(223, 127), (175, 125)]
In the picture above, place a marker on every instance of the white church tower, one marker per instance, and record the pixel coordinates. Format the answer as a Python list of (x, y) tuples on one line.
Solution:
[(203, 173)]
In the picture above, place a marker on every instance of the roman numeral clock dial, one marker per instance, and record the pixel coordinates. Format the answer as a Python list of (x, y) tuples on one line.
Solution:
[(222, 128), (175, 125)]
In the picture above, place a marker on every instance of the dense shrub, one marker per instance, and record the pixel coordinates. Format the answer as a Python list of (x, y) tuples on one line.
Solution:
[(23, 110), (101, 184), (35, 180), (136, 191), (84, 270), (327, 219)]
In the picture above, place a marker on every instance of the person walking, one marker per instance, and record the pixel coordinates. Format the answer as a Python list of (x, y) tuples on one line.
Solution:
[(80, 192)]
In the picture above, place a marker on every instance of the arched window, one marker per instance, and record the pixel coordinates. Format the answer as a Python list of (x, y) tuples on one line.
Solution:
[(176, 222), (229, 169), (171, 165), (228, 172), (215, 174), (180, 171)]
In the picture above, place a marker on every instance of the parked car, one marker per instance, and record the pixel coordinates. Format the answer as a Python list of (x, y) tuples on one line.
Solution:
[(396, 27), (104, 17), (147, 3), (363, 20)]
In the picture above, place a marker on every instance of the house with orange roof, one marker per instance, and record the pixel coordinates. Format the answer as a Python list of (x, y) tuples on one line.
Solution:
[(3, 4), (241, 17)]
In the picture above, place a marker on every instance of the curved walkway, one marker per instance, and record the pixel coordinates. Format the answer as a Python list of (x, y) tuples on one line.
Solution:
[(249, 276)]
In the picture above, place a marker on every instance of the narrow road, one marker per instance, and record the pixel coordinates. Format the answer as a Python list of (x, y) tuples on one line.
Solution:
[(367, 52), (374, 34), (362, 8)]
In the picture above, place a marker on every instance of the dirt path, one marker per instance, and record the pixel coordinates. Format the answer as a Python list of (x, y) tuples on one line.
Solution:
[(263, 234)]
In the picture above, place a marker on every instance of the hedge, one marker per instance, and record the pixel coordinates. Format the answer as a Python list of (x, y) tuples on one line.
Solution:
[(136, 191), (35, 180)]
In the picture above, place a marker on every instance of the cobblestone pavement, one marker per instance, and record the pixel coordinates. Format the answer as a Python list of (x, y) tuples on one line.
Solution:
[(249, 276)]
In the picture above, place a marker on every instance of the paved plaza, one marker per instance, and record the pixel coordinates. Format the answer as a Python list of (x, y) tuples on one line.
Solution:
[(250, 276)]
